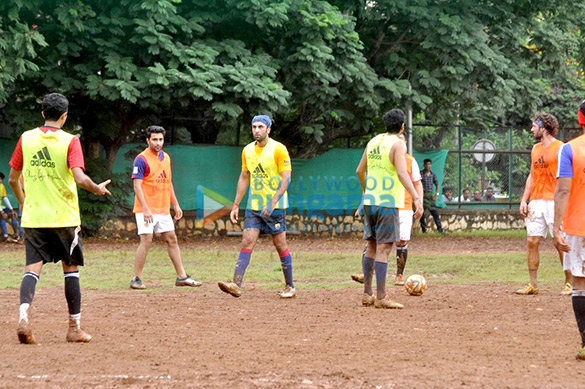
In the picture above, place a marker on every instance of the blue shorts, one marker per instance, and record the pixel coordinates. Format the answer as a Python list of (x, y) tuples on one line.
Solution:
[(273, 224)]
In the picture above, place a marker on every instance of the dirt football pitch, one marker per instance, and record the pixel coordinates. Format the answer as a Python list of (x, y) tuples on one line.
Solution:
[(478, 335)]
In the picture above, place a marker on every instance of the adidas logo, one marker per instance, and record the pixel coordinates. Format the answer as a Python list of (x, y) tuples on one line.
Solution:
[(42, 158), (260, 172), (375, 153), (540, 163), (162, 178)]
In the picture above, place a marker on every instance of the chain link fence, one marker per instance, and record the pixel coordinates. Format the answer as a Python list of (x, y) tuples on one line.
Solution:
[(485, 168)]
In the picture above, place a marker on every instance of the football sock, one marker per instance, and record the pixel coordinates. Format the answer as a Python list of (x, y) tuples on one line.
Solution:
[(27, 287), (241, 265), (579, 309), (381, 268), (73, 292), (286, 262), (368, 270), (27, 293), (401, 256), (76, 317), (3, 226)]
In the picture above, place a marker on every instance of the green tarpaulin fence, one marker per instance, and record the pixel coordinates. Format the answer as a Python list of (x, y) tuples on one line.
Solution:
[(208, 175)]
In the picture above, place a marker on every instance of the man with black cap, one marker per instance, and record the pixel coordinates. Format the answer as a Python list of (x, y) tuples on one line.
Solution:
[(266, 169)]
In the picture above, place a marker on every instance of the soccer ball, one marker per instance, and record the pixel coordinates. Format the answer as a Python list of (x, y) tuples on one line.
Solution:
[(415, 285)]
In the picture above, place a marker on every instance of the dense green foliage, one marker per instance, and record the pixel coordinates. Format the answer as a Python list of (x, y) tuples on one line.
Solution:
[(324, 69)]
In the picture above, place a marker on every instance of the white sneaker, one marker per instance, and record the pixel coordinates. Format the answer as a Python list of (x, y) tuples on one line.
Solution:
[(288, 293)]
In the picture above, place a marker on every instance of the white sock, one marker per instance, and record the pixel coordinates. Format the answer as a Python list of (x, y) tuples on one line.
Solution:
[(24, 312), (76, 317)]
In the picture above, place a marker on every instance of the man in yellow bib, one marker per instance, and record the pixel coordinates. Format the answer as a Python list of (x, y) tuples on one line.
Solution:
[(51, 161), (383, 175), (266, 169)]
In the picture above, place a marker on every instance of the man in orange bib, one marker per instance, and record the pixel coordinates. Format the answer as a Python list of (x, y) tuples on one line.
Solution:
[(570, 214), (540, 189), (154, 193)]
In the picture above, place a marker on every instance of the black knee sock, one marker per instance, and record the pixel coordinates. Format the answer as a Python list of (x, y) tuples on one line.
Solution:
[(401, 256), (27, 287), (73, 292), (579, 309)]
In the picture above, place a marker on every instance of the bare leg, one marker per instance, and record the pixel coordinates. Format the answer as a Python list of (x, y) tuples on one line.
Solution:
[(533, 259), (174, 252), (145, 242)]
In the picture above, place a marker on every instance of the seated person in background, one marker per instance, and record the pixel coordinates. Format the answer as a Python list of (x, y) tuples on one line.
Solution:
[(447, 195), (477, 195), (465, 195), (489, 194)]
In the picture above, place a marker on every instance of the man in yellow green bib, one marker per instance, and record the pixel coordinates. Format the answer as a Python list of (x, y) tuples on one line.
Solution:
[(383, 176), (266, 170), (51, 161)]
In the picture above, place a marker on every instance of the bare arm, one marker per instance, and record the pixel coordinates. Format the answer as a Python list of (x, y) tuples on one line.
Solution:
[(398, 159), (14, 182), (419, 189), (243, 183), (362, 169), (561, 199), (137, 183), (526, 194), (87, 183), (175, 202)]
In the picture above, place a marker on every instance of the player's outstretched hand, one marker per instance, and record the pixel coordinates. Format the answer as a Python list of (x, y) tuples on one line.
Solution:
[(523, 208), (234, 214), (560, 242), (102, 190)]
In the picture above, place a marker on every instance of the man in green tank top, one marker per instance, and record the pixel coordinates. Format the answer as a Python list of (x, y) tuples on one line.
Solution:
[(383, 176), (51, 162)]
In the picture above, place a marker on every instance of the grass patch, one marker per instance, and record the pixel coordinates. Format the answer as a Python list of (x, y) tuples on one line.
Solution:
[(113, 268)]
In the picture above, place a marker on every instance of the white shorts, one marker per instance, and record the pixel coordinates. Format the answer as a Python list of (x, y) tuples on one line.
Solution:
[(405, 217), (160, 223), (541, 217), (574, 260)]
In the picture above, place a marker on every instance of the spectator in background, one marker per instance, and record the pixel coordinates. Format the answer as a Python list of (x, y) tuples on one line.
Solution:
[(465, 195), (431, 193), (6, 213), (489, 194), (477, 195), (447, 195)]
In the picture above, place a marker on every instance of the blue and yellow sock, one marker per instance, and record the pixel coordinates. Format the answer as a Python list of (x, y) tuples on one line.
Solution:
[(286, 262), (241, 265)]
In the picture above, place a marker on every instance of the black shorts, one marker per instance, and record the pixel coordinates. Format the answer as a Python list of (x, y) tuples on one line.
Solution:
[(381, 224), (53, 245), (273, 224)]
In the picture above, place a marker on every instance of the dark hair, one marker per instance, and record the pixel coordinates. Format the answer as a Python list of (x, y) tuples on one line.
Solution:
[(489, 187), (154, 130), (393, 120), (551, 124), (1, 175), (427, 160), (447, 189), (54, 106)]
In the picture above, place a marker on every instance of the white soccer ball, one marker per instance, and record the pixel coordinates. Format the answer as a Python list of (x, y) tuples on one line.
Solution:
[(415, 285)]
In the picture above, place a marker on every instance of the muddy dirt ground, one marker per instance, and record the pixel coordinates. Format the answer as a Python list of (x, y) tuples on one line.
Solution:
[(452, 336)]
